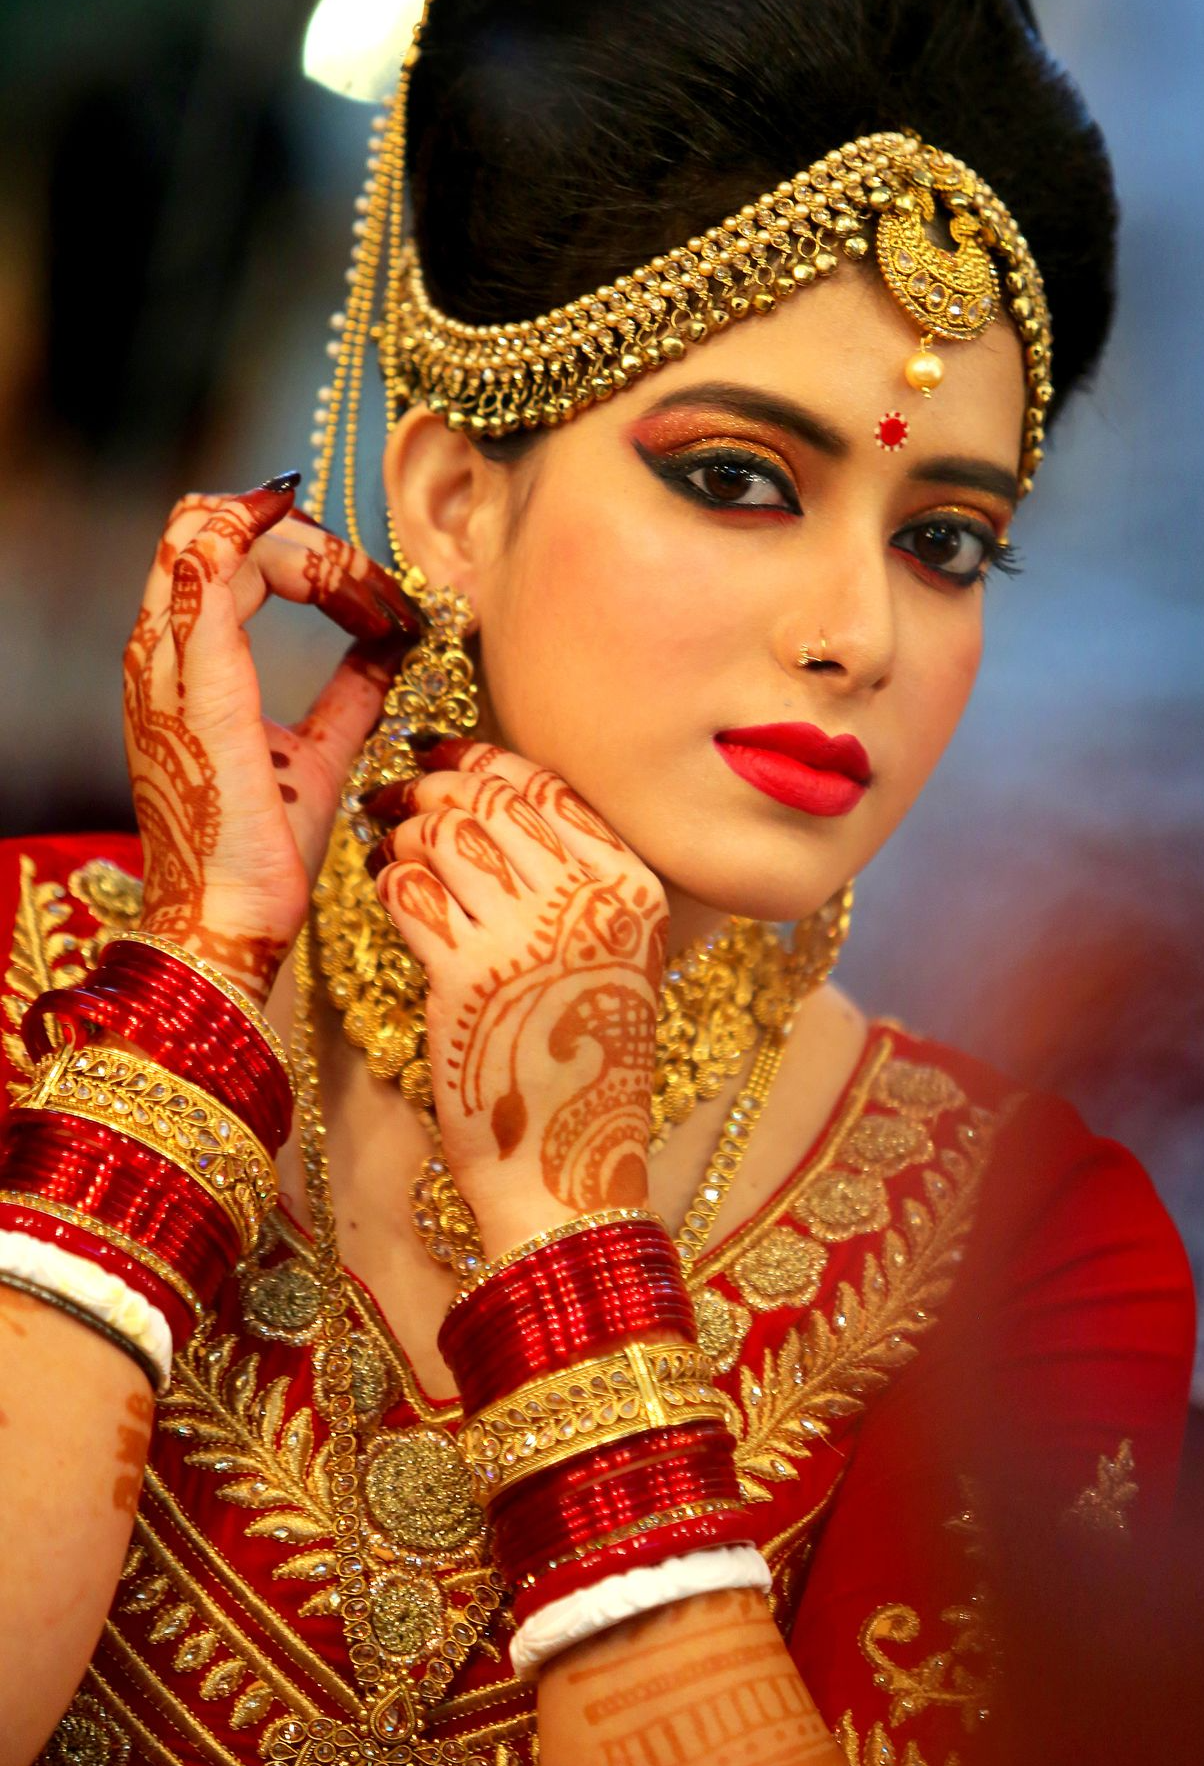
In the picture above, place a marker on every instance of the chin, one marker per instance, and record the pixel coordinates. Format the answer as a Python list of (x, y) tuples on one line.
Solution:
[(788, 888)]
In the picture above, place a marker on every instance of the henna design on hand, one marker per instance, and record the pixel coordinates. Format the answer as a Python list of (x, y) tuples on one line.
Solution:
[(173, 780), (132, 1440), (482, 851), (411, 889), (585, 984)]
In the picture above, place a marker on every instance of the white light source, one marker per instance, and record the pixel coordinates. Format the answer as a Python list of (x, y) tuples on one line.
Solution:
[(355, 47)]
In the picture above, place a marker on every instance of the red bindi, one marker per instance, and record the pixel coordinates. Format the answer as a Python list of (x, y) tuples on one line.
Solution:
[(892, 431)]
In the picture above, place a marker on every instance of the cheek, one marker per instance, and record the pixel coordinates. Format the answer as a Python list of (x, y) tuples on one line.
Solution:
[(604, 613), (940, 679)]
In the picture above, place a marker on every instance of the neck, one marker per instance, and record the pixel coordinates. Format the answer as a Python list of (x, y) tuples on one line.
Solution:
[(690, 919)]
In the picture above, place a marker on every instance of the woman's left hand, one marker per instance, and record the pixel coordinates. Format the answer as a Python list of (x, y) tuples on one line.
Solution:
[(543, 937)]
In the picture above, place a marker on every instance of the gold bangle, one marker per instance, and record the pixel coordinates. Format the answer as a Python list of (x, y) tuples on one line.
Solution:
[(635, 1389), (177, 1120), (567, 1230), (241, 1001), (120, 1241)]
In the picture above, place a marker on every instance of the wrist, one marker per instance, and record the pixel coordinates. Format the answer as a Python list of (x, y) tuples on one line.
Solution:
[(248, 959)]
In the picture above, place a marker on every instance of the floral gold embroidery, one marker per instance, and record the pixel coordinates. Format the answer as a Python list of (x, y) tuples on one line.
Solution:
[(407, 1614), (940, 1679), (783, 1269), (111, 895), (878, 1749), (722, 1327), (826, 1367), (851, 1198), (283, 1303), (418, 1493), (42, 956), (917, 1088), (241, 1433), (86, 1736), (1103, 1506)]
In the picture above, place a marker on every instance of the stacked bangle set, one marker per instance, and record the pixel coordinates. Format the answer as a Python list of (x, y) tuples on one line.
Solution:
[(596, 1438), (136, 1172), (133, 1178)]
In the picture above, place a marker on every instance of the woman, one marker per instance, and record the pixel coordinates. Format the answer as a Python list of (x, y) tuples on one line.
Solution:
[(714, 542)]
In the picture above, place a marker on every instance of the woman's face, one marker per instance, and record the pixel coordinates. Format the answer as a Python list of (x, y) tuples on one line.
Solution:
[(659, 563)]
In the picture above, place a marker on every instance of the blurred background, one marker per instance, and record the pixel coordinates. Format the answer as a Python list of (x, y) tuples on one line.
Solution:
[(175, 204)]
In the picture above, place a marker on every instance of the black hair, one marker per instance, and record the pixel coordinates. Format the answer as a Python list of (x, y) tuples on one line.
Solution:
[(556, 144)]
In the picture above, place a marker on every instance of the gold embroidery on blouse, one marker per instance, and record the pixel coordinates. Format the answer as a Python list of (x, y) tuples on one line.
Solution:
[(722, 1327), (1103, 1506), (782, 1269), (827, 1366), (944, 1677), (789, 1552), (264, 1457), (86, 1736), (878, 1749), (112, 896)]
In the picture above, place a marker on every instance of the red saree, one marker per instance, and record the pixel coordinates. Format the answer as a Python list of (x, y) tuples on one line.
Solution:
[(960, 1309)]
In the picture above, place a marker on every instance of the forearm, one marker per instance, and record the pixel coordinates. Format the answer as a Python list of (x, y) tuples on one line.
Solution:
[(704, 1679), (75, 1416)]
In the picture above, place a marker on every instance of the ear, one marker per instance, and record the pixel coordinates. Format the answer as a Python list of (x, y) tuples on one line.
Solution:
[(446, 500)]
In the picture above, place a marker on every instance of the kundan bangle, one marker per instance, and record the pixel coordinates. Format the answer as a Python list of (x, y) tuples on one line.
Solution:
[(93, 1295), (562, 1297), (168, 1116), (556, 1416), (195, 1023), (97, 1179)]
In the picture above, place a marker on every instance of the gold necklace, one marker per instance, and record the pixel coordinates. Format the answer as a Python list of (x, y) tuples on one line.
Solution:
[(394, 1708), (715, 998)]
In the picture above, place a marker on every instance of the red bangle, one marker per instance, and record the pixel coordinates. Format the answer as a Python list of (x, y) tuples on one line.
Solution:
[(180, 1019), (77, 1233), (571, 1509), (656, 1540), (562, 1301), (96, 1174)]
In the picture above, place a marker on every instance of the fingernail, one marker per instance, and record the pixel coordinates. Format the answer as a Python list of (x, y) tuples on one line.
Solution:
[(398, 616), (391, 803), (447, 753), (277, 487), (377, 859)]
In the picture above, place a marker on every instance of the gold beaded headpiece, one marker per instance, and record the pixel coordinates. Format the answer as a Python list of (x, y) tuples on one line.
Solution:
[(877, 197)]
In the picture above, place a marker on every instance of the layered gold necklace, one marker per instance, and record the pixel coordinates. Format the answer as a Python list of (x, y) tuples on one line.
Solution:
[(717, 997)]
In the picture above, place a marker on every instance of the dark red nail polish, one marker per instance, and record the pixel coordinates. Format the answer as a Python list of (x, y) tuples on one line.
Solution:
[(446, 755), (391, 803), (377, 859)]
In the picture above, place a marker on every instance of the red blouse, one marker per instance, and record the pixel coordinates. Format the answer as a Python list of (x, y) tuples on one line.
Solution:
[(960, 1314)]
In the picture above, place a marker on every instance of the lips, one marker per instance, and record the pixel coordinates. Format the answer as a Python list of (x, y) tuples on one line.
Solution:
[(797, 764)]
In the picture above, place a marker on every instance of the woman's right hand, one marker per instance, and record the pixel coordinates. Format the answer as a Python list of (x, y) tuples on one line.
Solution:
[(235, 811)]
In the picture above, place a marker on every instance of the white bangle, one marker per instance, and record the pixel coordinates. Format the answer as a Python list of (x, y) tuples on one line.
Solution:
[(616, 1598), (94, 1290)]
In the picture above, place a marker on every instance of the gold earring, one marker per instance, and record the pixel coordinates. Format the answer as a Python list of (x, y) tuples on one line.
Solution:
[(434, 696)]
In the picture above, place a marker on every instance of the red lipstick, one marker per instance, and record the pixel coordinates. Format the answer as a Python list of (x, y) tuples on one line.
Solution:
[(800, 766)]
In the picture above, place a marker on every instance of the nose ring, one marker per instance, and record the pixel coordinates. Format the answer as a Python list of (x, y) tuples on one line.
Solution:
[(806, 657)]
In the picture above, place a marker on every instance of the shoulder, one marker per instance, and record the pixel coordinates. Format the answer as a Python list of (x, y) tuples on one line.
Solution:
[(1063, 1211), (60, 897)]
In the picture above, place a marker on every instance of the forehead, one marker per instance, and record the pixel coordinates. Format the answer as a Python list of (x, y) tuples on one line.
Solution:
[(839, 349)]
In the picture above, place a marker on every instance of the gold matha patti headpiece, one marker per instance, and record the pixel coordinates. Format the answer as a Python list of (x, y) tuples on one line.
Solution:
[(947, 249)]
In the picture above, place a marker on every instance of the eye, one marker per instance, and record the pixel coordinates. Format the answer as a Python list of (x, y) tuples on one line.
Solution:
[(725, 478), (956, 547)]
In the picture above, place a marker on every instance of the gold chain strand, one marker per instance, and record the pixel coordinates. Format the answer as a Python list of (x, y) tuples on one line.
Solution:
[(395, 1709)]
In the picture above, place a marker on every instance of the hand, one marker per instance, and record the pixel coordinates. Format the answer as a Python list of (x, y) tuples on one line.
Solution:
[(543, 938), (235, 811)]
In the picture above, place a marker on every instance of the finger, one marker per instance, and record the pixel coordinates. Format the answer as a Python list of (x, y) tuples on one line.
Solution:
[(583, 831), (338, 721), (462, 854), (187, 518), (319, 569), (204, 568), (534, 849), (422, 909)]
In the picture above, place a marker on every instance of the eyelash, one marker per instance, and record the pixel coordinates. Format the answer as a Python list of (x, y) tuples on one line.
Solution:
[(676, 471)]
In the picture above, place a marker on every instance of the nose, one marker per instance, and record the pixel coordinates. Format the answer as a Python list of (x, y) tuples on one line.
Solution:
[(840, 627)]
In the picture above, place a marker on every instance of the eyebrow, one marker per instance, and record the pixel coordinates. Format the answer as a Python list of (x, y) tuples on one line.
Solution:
[(816, 432)]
